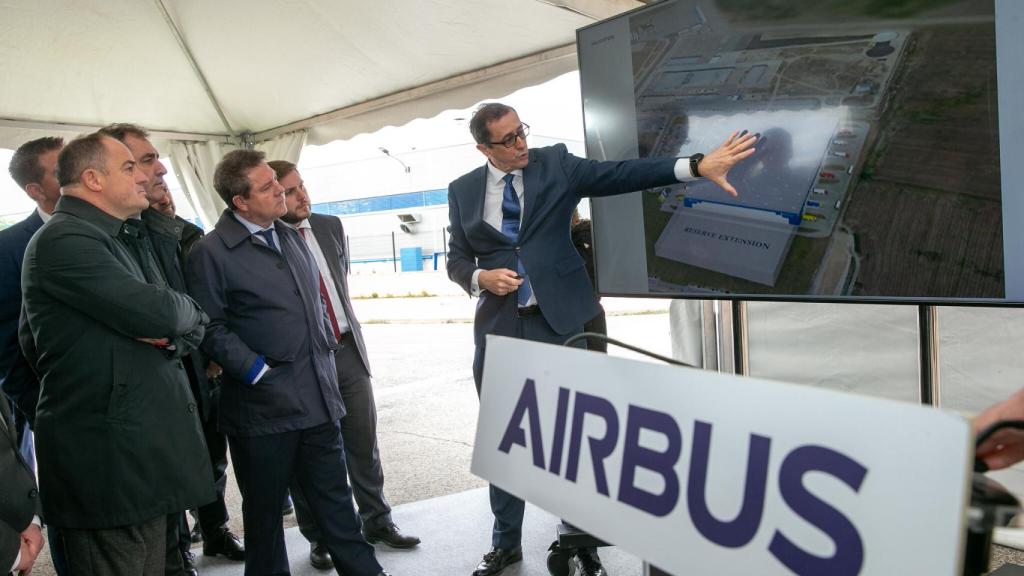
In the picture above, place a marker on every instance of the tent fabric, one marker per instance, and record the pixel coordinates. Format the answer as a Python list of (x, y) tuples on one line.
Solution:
[(194, 164), (270, 63), (196, 161)]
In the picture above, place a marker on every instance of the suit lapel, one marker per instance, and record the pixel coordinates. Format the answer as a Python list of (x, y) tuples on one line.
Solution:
[(531, 190), (303, 268), (478, 193), (330, 250)]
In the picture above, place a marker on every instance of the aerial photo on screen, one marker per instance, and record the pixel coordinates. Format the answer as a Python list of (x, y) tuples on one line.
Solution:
[(877, 164)]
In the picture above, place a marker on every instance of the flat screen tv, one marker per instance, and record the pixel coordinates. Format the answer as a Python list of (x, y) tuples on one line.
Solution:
[(889, 161)]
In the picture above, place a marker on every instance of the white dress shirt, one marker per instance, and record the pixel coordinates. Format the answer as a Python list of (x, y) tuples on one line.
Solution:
[(495, 192), (306, 231)]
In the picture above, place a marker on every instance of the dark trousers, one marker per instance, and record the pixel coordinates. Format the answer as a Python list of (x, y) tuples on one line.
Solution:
[(178, 541), (507, 531), (316, 456), (213, 516), (57, 555), (136, 550), (598, 324), (362, 456)]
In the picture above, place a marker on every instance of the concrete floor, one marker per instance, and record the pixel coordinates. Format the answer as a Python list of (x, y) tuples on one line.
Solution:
[(456, 532)]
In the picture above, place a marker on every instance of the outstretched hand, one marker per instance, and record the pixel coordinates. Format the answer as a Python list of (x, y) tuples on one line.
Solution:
[(1006, 447), (716, 165)]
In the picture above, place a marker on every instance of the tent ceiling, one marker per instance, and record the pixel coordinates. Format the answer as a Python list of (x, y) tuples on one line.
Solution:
[(354, 65)]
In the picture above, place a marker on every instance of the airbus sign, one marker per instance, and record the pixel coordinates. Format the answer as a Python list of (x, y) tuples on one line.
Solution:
[(705, 473)]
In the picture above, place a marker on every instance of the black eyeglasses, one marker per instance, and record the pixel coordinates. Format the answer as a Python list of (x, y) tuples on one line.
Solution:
[(510, 140)]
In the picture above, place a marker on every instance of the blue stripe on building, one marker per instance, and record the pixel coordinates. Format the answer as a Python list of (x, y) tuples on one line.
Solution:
[(383, 203)]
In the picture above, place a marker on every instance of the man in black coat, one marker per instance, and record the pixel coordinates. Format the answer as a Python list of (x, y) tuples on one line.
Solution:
[(171, 238), (118, 442), (279, 404), (325, 238)]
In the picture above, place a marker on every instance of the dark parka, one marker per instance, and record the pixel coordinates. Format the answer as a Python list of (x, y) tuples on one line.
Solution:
[(117, 435), (172, 240)]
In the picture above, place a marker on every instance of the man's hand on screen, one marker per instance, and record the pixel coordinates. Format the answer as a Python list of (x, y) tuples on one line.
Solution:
[(716, 165)]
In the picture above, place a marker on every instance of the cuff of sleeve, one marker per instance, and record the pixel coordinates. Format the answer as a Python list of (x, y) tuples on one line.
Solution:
[(474, 285), (256, 371), (17, 560), (37, 521), (682, 170)]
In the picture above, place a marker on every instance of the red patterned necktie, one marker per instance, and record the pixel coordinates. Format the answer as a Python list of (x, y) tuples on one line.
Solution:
[(324, 294)]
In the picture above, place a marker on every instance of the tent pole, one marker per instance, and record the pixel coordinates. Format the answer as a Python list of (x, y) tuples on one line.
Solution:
[(195, 66)]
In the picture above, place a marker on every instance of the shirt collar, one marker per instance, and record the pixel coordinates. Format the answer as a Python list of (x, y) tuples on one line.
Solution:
[(299, 226), (46, 217), (252, 228), (496, 175)]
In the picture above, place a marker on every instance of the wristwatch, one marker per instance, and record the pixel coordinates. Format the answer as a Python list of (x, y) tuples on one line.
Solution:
[(695, 163)]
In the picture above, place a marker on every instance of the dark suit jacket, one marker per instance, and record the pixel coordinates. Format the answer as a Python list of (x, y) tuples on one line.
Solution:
[(19, 499), (554, 181), (117, 437), (168, 237), (265, 304), (330, 235), (16, 378)]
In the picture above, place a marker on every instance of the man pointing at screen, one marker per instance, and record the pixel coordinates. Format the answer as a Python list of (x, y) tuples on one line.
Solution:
[(510, 245)]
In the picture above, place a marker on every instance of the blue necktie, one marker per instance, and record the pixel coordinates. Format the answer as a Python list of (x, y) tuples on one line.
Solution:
[(510, 216), (268, 235)]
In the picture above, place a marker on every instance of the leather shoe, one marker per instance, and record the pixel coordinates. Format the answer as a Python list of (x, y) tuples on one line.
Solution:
[(389, 534), (224, 543), (188, 560), (588, 564), (497, 560), (196, 536), (319, 557)]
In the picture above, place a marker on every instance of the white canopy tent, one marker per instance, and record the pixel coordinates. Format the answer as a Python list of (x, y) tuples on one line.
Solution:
[(277, 74)]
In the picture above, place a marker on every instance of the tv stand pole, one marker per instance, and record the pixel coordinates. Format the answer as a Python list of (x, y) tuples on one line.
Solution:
[(928, 346)]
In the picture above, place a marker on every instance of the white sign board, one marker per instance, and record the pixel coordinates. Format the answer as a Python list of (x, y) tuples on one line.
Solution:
[(704, 473)]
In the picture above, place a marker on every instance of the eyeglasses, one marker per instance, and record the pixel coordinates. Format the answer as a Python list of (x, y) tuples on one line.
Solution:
[(510, 140)]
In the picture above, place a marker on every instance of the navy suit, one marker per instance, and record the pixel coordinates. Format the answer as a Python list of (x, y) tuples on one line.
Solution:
[(554, 182), (16, 377), (265, 304)]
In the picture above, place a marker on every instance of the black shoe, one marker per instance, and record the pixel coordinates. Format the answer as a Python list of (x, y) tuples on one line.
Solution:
[(188, 559), (389, 534), (319, 557), (588, 564), (287, 507), (497, 560), (197, 534), (225, 544)]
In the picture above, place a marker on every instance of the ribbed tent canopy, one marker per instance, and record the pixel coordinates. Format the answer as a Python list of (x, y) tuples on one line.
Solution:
[(208, 70)]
